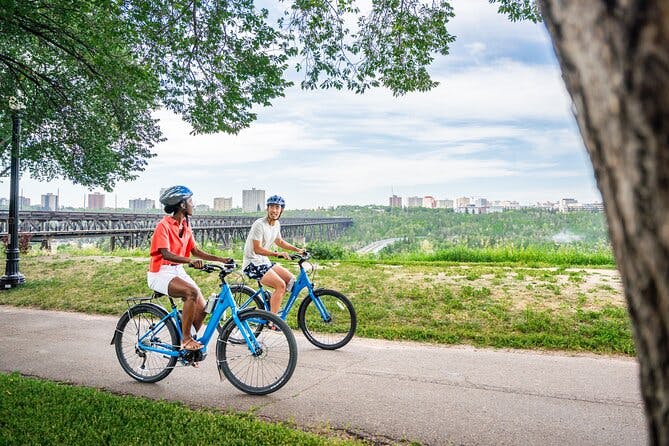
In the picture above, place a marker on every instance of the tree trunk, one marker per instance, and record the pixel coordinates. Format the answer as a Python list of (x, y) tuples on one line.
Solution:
[(614, 56)]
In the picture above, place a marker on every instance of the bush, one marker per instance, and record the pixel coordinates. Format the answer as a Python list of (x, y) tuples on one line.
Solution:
[(24, 242), (326, 251)]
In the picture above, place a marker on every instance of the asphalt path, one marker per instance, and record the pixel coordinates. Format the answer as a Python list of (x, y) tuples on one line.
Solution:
[(387, 392)]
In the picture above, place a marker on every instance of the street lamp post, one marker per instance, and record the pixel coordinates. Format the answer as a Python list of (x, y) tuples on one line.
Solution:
[(13, 277)]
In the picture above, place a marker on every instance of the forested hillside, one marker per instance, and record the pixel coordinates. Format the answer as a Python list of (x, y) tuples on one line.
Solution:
[(427, 234)]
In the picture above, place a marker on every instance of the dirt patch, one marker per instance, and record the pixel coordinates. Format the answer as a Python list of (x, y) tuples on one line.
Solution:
[(537, 288)]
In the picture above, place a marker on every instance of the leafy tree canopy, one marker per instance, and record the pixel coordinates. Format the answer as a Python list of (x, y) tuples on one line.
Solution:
[(90, 72)]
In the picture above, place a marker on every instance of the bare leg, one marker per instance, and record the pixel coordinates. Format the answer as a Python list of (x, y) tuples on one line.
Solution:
[(273, 280), (193, 310), (285, 275)]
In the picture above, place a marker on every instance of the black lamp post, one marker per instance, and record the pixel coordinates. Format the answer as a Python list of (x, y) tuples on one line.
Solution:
[(13, 277)]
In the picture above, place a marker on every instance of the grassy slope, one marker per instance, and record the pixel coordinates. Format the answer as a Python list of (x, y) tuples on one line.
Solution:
[(479, 304)]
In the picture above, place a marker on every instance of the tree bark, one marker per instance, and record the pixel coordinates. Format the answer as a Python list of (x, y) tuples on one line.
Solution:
[(614, 56)]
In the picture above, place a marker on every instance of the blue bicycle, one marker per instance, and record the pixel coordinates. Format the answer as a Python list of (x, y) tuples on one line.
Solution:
[(253, 358), (326, 317)]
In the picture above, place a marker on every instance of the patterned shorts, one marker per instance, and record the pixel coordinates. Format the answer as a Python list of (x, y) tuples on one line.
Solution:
[(257, 271)]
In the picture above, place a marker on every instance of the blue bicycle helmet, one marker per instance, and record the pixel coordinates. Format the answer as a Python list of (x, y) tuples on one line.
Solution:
[(175, 195), (276, 199)]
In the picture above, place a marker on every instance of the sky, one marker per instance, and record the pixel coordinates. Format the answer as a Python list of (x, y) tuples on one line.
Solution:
[(499, 126)]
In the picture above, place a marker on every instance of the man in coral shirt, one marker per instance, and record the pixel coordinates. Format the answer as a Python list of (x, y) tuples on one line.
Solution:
[(171, 246)]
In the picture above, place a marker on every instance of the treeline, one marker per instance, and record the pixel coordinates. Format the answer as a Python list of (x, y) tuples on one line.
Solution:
[(526, 236)]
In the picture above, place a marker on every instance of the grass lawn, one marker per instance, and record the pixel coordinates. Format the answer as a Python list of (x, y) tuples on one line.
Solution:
[(492, 305), (43, 413)]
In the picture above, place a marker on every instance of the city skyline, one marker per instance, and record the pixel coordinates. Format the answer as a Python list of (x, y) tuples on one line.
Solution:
[(499, 125), (99, 201)]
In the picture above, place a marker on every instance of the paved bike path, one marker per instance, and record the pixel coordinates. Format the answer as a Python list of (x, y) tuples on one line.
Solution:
[(381, 390)]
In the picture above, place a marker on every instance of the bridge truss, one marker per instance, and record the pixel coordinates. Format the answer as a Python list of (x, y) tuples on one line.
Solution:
[(130, 230)]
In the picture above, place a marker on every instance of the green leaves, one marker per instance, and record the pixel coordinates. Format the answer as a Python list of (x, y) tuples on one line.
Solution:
[(392, 45), (88, 101), (92, 71), (519, 9)]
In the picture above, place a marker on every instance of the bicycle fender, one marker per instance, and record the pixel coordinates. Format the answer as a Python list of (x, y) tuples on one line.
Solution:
[(127, 312)]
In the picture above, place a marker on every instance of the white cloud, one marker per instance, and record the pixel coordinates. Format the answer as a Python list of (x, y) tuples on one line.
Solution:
[(476, 49), (260, 143), (480, 18), (355, 173)]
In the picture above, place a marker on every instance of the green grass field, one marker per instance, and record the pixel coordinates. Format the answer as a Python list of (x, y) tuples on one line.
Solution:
[(38, 412), (491, 305)]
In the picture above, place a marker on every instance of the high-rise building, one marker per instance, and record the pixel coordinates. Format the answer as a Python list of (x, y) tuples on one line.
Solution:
[(96, 200), (395, 201), (141, 204), (253, 200), (462, 202), (481, 202), (429, 202), (567, 203), (50, 202), (222, 203), (24, 202), (445, 204), (414, 202)]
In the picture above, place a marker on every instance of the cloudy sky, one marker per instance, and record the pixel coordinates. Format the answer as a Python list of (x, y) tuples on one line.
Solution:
[(499, 126)]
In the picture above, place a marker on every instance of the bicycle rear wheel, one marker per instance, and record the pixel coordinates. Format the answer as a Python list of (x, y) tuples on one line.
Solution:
[(265, 370), (244, 297), (335, 331), (144, 321)]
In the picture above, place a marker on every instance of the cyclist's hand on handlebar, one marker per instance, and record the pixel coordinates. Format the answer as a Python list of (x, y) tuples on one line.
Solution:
[(283, 255), (196, 263)]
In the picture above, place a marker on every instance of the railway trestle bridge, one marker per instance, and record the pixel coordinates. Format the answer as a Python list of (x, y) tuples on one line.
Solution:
[(131, 230)]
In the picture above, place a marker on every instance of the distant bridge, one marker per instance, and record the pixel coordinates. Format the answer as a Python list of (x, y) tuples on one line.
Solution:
[(130, 230)]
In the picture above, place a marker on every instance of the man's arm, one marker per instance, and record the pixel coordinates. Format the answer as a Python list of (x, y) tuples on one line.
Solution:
[(258, 249), (285, 245)]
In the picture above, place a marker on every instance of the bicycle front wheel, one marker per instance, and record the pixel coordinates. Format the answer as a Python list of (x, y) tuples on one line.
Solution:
[(244, 297), (267, 368), (143, 325), (332, 330)]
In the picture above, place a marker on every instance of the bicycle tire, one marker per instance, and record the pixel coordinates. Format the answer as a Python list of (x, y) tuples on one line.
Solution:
[(332, 334), (263, 372), (145, 366), (241, 294)]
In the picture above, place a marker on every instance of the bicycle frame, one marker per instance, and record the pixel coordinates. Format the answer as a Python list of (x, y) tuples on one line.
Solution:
[(301, 282), (224, 301)]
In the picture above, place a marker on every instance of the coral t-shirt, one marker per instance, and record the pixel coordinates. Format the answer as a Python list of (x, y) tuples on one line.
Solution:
[(166, 235)]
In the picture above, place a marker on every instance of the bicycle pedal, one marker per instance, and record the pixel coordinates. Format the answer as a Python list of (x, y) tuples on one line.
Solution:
[(190, 356)]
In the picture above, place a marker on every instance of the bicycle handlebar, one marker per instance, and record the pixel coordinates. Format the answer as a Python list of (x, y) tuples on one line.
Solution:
[(225, 267), (301, 257)]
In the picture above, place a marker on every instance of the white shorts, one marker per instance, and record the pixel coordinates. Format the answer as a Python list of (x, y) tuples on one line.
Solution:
[(160, 281)]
